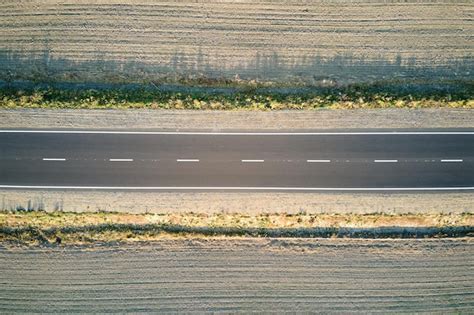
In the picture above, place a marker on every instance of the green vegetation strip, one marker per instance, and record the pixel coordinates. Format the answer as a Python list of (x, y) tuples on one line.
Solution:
[(247, 98), (43, 228)]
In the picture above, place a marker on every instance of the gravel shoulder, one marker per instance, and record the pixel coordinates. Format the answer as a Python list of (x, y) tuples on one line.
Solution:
[(246, 203), (242, 120), (243, 275)]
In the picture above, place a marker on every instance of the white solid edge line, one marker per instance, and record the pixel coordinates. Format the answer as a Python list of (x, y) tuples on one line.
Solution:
[(121, 160), (253, 161), (187, 160), (318, 161), (54, 159), (385, 161), (240, 188), (451, 160), (241, 133)]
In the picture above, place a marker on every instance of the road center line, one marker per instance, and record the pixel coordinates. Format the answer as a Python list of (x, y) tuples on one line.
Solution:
[(452, 160), (121, 160), (253, 161), (187, 160), (386, 161), (318, 161), (54, 159)]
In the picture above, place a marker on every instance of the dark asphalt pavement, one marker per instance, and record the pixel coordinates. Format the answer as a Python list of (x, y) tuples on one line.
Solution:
[(229, 161)]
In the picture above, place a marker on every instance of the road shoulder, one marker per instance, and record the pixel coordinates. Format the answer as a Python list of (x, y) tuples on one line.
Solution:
[(236, 120)]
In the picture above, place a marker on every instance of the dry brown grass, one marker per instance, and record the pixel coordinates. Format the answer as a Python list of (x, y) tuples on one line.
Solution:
[(43, 219), (37, 227)]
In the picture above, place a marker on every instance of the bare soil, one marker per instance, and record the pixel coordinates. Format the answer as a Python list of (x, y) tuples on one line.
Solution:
[(287, 41), (242, 275)]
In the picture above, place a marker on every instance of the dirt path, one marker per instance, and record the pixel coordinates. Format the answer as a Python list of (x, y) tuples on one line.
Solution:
[(242, 275)]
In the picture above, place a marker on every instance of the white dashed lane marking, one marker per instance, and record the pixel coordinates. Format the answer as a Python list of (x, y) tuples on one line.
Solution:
[(386, 161), (452, 161), (261, 161)]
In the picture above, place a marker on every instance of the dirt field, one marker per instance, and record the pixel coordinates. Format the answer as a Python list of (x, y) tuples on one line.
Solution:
[(286, 41), (260, 275)]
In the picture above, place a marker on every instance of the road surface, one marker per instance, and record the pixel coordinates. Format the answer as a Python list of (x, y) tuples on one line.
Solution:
[(250, 161), (260, 275)]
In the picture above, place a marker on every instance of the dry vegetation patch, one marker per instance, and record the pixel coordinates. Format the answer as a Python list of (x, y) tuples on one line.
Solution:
[(38, 227), (260, 98)]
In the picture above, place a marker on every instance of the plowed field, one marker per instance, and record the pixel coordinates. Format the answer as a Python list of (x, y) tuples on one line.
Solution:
[(341, 276), (285, 41)]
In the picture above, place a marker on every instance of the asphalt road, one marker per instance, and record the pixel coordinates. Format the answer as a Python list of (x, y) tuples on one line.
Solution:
[(410, 160), (242, 276)]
